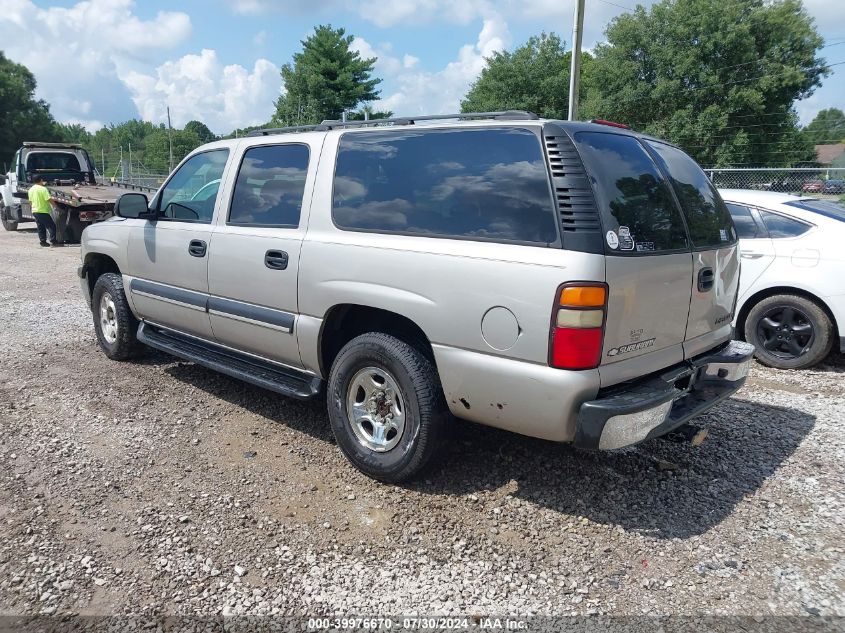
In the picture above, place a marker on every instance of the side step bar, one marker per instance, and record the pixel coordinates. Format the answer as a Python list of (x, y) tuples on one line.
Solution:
[(284, 380)]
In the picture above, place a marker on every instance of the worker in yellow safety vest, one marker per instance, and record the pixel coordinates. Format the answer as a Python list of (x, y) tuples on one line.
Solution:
[(39, 198)]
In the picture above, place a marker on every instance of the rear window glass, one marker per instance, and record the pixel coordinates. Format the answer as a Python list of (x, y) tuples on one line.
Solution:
[(58, 161), (827, 208), (709, 222), (780, 226), (746, 227), (485, 184), (638, 211)]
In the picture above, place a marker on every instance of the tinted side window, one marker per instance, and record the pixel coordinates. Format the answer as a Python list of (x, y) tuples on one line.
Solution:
[(635, 201), (707, 217), (471, 183), (781, 226), (191, 192), (270, 186), (746, 227)]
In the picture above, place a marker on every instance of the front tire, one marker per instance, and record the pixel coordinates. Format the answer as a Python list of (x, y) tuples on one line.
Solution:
[(5, 218), (386, 407), (789, 332), (114, 323)]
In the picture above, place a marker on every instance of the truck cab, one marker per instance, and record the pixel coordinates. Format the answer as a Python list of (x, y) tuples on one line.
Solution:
[(68, 173)]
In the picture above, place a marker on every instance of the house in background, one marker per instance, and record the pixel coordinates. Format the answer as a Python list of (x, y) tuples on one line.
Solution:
[(831, 155)]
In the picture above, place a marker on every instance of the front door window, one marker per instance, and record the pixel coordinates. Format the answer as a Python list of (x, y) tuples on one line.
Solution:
[(190, 195)]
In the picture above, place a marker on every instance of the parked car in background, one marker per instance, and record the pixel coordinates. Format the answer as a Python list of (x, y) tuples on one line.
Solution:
[(812, 186), (788, 183), (792, 290), (834, 186)]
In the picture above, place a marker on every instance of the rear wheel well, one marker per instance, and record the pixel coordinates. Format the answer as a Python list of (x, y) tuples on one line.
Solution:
[(344, 322), (756, 298), (96, 265)]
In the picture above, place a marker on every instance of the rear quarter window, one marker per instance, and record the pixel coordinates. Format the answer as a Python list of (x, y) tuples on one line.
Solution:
[(708, 219), (638, 211), (780, 226), (481, 184)]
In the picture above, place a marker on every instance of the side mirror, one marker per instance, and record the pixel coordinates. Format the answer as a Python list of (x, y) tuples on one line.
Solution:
[(132, 205)]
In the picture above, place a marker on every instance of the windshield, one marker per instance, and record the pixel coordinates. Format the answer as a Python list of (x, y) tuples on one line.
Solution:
[(827, 208)]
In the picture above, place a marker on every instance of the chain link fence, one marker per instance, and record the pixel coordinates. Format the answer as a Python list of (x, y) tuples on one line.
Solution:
[(815, 181)]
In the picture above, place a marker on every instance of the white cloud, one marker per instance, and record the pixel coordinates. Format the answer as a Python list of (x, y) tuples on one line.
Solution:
[(260, 38), (422, 92), (200, 87), (75, 52)]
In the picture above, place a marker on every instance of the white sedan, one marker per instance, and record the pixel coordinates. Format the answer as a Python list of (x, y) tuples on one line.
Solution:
[(791, 302)]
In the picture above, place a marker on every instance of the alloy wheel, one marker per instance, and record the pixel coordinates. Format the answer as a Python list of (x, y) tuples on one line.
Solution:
[(785, 332)]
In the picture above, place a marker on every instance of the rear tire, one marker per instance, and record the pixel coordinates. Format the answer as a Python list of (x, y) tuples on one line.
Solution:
[(789, 332), (114, 322), (386, 407), (5, 218)]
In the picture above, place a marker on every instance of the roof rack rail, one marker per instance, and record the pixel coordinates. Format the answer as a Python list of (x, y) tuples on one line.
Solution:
[(328, 124)]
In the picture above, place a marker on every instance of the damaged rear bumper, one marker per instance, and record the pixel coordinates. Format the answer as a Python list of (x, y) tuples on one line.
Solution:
[(627, 414)]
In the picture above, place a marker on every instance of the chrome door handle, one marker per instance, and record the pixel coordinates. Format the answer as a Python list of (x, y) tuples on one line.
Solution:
[(750, 255)]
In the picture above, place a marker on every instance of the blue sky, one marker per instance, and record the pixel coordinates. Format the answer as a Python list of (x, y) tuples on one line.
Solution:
[(105, 61)]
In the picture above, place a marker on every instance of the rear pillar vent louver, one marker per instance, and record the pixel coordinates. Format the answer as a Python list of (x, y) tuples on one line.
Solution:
[(579, 218)]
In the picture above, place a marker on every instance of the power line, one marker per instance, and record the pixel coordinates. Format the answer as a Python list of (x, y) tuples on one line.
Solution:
[(613, 4)]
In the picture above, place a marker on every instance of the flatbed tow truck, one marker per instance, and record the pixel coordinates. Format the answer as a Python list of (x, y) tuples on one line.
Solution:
[(69, 175)]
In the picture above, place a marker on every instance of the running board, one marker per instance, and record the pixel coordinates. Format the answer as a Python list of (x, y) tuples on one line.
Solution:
[(284, 380)]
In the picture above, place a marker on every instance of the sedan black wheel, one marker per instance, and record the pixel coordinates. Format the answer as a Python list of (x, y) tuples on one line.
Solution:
[(789, 332)]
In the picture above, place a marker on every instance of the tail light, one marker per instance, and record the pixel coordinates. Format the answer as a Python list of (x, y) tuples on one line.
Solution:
[(577, 328)]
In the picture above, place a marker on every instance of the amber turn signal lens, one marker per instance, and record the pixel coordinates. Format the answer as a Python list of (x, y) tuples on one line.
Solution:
[(583, 296)]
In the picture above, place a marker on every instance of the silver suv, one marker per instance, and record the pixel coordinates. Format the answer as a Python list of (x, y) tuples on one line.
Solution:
[(568, 281)]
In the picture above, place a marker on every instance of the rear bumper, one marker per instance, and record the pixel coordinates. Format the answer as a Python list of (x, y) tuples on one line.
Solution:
[(630, 413)]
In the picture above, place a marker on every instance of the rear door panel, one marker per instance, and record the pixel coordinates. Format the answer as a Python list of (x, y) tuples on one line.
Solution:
[(648, 259), (647, 306), (715, 250), (711, 308)]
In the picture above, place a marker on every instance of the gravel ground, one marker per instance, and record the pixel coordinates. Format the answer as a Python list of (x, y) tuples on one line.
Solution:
[(159, 487)]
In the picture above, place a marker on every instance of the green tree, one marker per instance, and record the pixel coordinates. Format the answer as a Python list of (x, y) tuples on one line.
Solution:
[(718, 78), (367, 111), (201, 130), (73, 133), (534, 77), (156, 156), (22, 116), (325, 79), (828, 127)]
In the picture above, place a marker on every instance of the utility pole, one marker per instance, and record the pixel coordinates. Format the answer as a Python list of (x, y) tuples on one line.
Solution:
[(170, 138), (575, 69), (130, 162)]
